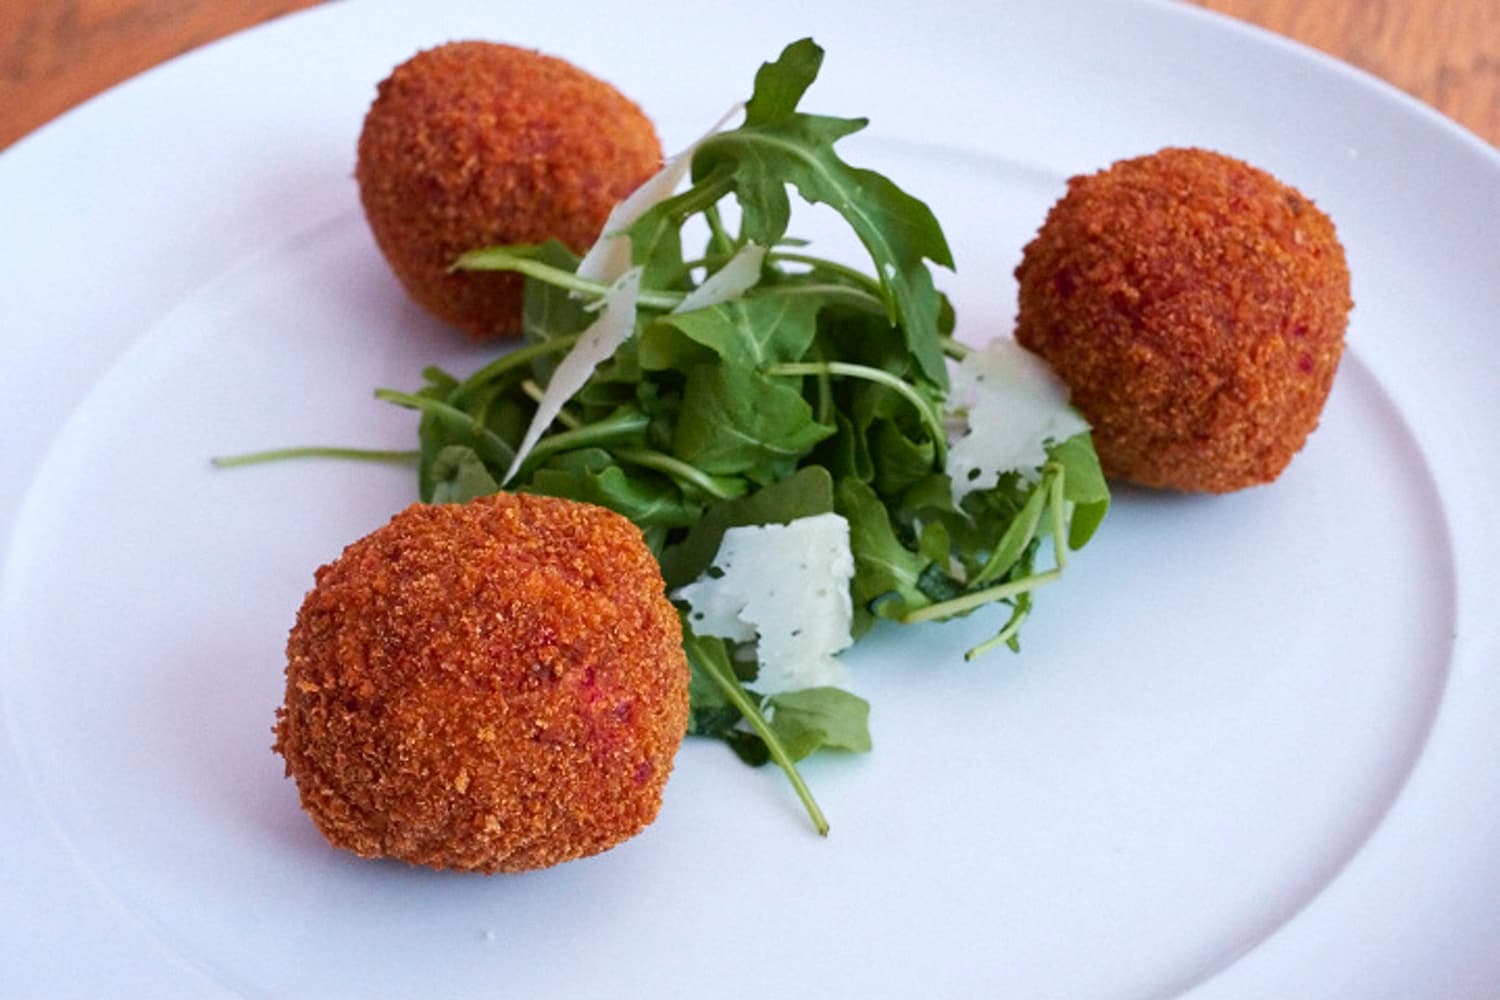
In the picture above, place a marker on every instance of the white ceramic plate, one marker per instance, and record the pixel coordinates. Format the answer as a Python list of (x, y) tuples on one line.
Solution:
[(1248, 749)]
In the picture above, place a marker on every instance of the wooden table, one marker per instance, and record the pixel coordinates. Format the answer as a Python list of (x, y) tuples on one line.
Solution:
[(56, 53)]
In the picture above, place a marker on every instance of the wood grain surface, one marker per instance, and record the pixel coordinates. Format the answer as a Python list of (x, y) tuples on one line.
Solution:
[(57, 53)]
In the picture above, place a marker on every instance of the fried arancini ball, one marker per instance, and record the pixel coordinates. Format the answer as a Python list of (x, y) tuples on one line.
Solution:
[(1196, 307), (473, 144), (491, 686)]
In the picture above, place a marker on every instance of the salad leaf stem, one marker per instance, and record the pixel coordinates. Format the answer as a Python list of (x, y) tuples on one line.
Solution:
[(703, 195), (719, 238), (1007, 634), (1059, 517), (513, 359), (829, 292), (622, 426), (854, 275), (730, 686), (955, 350), (402, 457), (930, 417), (496, 448), (503, 259), (677, 469), (979, 598)]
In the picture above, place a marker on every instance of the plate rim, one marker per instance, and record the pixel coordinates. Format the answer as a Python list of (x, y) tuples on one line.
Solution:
[(100, 105)]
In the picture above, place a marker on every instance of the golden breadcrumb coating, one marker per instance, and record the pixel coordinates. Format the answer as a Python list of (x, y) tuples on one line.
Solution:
[(493, 686), (1196, 307), (473, 144)]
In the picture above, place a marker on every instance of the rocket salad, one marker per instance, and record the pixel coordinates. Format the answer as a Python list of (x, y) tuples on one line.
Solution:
[(750, 405)]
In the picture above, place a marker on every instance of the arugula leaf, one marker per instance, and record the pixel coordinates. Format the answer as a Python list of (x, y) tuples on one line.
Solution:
[(593, 476), (896, 229), (815, 718), (1084, 486), (847, 453), (1018, 536), (738, 422), (887, 573), (443, 424), (779, 85), (432, 433), (746, 333), (778, 146)]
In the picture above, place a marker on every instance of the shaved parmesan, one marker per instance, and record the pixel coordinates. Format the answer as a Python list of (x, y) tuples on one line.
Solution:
[(608, 260), (597, 343), (787, 586), (1013, 406), (609, 257), (734, 279)]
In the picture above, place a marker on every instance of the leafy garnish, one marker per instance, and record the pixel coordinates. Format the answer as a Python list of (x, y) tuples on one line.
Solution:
[(755, 384), (764, 385)]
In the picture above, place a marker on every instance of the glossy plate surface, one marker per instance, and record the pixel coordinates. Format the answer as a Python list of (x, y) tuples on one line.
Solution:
[(1246, 750)]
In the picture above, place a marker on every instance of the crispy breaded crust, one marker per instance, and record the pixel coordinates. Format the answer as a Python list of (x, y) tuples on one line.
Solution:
[(493, 686), (1196, 307), (473, 144)]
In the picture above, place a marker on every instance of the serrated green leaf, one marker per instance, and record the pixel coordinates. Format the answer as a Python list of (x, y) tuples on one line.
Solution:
[(779, 85), (592, 476), (818, 718), (1018, 535), (1084, 486), (746, 332), (1084, 482), (883, 567), (899, 231), (738, 422)]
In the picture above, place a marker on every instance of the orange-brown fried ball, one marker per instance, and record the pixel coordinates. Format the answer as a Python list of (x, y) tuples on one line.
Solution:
[(1196, 307), (491, 686), (473, 144)]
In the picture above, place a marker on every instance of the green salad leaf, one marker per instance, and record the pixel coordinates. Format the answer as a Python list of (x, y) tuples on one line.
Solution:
[(816, 388)]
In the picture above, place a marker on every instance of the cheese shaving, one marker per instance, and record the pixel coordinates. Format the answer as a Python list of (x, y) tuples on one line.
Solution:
[(612, 328), (608, 260), (609, 257), (787, 586), (1013, 406), (734, 279)]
